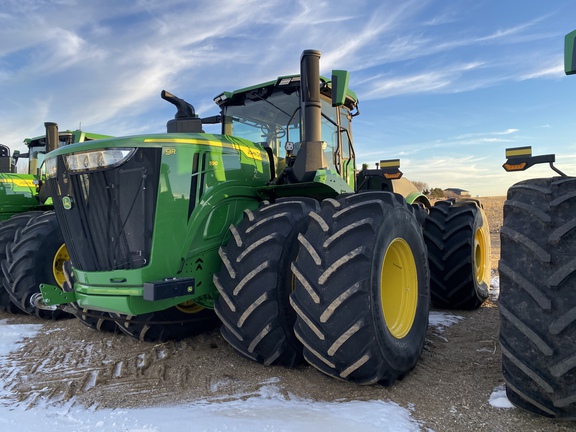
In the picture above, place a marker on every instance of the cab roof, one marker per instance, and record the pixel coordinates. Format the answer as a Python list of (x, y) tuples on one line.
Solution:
[(287, 84)]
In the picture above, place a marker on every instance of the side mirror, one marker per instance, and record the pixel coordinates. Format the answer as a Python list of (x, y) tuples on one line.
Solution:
[(340, 80), (570, 53)]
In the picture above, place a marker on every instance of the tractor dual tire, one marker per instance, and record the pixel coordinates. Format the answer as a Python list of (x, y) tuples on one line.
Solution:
[(362, 288), (175, 323), (35, 256), (7, 231), (457, 236), (255, 282), (537, 299)]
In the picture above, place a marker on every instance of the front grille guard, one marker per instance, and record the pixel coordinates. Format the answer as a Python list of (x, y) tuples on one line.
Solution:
[(109, 216)]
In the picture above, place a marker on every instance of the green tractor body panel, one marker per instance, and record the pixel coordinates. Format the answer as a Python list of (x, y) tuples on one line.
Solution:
[(143, 217), (17, 194)]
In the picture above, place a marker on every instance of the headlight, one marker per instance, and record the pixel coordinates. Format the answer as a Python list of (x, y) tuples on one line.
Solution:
[(50, 165), (97, 159)]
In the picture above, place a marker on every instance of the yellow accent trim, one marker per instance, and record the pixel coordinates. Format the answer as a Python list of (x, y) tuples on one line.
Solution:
[(183, 141), (519, 151), (399, 288), (19, 182), (249, 152), (390, 163)]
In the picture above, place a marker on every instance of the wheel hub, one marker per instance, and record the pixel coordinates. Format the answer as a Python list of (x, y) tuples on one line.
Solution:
[(399, 288), (60, 258)]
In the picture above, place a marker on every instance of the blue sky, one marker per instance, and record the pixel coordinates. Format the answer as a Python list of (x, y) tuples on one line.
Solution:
[(446, 86)]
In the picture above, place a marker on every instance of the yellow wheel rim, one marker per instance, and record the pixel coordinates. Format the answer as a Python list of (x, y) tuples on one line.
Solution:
[(189, 307), (481, 255), (60, 258), (399, 288)]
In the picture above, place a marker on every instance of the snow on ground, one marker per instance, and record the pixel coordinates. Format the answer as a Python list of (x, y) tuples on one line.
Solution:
[(12, 335), (268, 411), (498, 398), (494, 286), (442, 320)]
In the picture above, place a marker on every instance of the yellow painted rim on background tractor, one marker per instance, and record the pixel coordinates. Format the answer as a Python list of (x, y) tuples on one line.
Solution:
[(481, 256), (60, 258), (399, 288)]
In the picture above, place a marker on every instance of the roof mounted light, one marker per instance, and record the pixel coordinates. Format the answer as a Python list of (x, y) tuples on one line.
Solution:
[(222, 98), (287, 80)]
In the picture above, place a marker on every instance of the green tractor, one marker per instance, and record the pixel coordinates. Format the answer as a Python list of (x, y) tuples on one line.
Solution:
[(31, 246), (266, 229), (537, 284)]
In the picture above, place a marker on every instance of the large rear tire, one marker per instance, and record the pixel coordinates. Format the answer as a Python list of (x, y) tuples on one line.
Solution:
[(362, 288), (537, 299), (255, 282), (458, 240), (7, 231), (35, 256)]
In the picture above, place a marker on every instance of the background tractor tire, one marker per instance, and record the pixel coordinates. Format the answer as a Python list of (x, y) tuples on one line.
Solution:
[(255, 282), (362, 293), (35, 256), (7, 231), (537, 299), (175, 323), (96, 320), (457, 236)]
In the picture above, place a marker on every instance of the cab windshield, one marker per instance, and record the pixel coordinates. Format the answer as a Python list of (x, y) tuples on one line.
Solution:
[(274, 121)]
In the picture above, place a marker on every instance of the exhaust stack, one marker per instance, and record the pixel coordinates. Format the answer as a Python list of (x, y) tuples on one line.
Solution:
[(52, 137), (310, 157), (185, 120)]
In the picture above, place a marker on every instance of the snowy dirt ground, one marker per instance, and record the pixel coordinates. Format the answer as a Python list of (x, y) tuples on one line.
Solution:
[(64, 376)]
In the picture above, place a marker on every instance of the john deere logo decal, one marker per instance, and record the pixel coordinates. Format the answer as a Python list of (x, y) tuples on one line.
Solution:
[(67, 202)]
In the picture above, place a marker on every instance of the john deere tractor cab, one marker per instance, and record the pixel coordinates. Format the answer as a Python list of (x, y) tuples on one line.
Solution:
[(266, 225), (24, 197)]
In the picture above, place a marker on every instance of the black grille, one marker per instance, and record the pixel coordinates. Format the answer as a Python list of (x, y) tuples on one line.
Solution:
[(110, 222)]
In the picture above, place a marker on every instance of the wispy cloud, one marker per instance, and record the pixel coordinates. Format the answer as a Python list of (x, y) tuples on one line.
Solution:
[(507, 131), (556, 70), (429, 81)]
